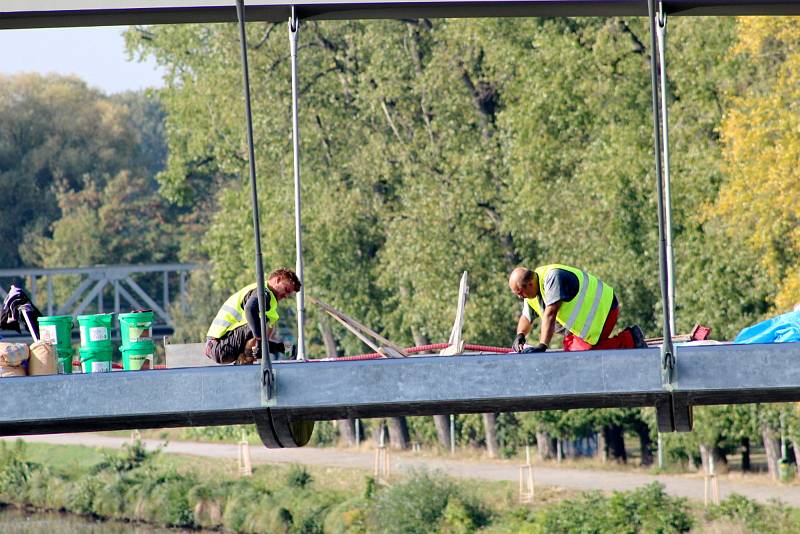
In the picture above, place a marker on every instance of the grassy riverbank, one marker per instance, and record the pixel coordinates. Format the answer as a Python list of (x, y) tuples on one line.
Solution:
[(137, 485)]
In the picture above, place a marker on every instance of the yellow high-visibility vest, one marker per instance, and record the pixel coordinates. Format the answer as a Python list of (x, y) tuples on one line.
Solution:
[(586, 314), (231, 314)]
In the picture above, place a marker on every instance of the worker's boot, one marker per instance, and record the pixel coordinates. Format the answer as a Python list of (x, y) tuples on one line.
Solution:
[(638, 337)]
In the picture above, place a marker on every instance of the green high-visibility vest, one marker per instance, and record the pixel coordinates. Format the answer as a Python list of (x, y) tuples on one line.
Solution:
[(231, 315), (586, 314)]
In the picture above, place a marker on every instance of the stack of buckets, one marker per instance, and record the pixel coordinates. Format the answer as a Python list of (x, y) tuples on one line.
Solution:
[(97, 348), (57, 331), (138, 349)]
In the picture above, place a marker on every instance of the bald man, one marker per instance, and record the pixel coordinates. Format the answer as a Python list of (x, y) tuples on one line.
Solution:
[(585, 307)]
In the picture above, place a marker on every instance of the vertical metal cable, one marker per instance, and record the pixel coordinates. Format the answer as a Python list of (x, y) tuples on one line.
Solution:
[(661, 35), (667, 349), (294, 26), (266, 361)]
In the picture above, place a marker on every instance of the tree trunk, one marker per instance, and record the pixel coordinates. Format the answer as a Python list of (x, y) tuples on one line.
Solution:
[(705, 452), (379, 434), (544, 446), (720, 461), (398, 433), (347, 432), (746, 455), (645, 442), (568, 449), (346, 427), (615, 443), (441, 422), (772, 446), (328, 338), (796, 448), (490, 428), (602, 446)]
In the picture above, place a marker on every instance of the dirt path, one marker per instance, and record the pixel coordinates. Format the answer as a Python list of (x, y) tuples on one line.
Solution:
[(690, 486)]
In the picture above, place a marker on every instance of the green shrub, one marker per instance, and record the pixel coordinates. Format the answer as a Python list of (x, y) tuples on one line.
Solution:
[(774, 518), (325, 433), (348, 517), (645, 510), (134, 455), (82, 493), (44, 489), (206, 501), (230, 433), (111, 497), (457, 518), (15, 472), (418, 506), (161, 497), (240, 497), (298, 477)]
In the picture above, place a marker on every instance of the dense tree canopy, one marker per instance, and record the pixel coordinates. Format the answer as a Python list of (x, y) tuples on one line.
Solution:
[(430, 147)]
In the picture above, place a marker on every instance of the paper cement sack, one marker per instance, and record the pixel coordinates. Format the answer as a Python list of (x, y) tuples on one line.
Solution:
[(6, 372), (43, 359), (13, 354)]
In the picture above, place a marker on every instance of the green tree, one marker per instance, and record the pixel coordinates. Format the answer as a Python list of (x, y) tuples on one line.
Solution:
[(56, 132)]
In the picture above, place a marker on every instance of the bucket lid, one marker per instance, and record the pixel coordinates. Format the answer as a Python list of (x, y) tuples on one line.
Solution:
[(54, 318), (96, 316), (146, 349), (97, 350), (143, 316)]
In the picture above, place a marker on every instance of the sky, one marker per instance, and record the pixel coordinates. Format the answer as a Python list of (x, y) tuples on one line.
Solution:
[(96, 55)]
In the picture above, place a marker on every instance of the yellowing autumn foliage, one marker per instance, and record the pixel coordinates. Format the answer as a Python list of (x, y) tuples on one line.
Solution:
[(761, 137)]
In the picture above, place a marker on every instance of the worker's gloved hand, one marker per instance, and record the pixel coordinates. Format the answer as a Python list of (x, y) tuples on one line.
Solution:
[(255, 352), (519, 343), (275, 348), (541, 347)]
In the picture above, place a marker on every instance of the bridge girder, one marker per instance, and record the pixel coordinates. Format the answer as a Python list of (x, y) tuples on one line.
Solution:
[(426, 385), (17, 14)]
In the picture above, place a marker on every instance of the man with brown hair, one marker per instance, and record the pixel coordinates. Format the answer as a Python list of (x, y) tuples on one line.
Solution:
[(235, 332)]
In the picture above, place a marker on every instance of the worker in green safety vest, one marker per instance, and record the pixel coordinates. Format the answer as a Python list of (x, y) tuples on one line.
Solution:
[(235, 332), (585, 308)]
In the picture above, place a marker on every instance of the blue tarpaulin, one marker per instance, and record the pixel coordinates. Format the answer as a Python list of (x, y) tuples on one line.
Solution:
[(781, 329)]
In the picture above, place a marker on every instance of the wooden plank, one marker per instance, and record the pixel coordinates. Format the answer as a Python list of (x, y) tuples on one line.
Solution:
[(455, 343), (357, 328)]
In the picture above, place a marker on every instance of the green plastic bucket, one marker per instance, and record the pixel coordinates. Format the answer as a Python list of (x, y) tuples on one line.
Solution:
[(96, 360), (136, 329), (64, 359), (56, 330), (96, 330), (134, 358)]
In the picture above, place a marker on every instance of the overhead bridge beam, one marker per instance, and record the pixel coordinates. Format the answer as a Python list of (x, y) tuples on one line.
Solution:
[(311, 391), (15, 14)]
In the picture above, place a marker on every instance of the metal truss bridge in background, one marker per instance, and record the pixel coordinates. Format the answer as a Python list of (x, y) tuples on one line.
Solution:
[(105, 288)]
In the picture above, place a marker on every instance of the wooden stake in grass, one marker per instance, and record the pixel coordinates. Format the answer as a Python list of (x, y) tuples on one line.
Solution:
[(245, 462), (526, 487), (382, 469), (710, 484)]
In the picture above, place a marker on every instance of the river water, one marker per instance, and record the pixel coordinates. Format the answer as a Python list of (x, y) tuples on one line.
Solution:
[(15, 521)]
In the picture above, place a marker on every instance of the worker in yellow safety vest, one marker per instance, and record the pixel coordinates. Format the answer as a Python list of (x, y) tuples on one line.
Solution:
[(584, 307), (235, 332)]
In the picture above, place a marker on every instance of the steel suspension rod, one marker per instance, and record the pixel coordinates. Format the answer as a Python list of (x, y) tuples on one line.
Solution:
[(661, 36), (267, 374), (294, 26), (667, 349)]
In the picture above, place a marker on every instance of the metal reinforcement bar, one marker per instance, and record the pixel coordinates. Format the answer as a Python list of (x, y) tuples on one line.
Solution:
[(15, 14), (426, 385)]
